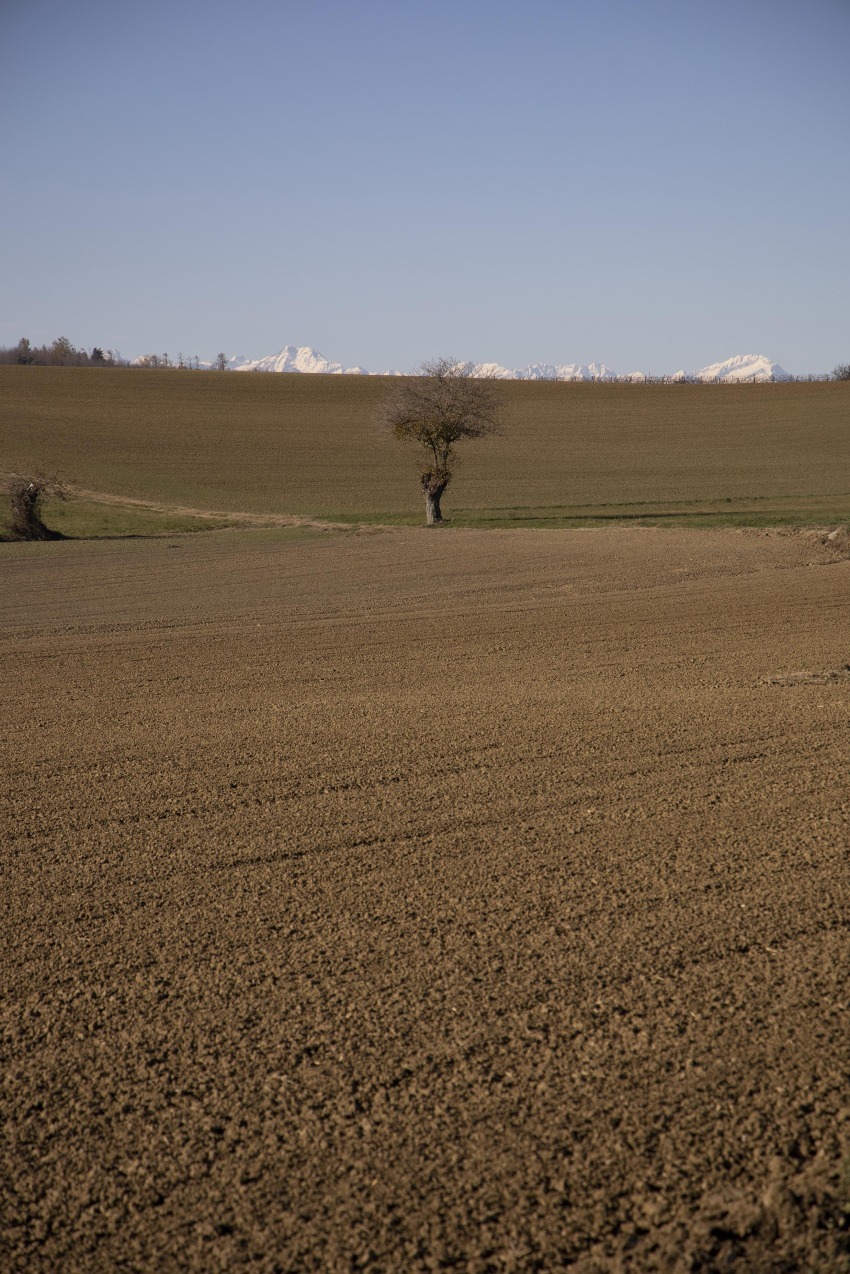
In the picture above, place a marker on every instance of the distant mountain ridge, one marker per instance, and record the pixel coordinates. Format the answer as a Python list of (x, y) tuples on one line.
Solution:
[(308, 361), (295, 358), (741, 367)]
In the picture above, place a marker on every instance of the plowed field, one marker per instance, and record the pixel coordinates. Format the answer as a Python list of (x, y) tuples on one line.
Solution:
[(409, 901)]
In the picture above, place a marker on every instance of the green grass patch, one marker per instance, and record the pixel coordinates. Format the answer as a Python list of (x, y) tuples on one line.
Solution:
[(89, 519)]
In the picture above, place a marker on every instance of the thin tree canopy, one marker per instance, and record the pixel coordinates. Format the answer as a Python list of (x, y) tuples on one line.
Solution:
[(437, 409)]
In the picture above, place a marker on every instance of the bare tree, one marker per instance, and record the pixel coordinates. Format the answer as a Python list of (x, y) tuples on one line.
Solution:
[(221, 362), (841, 372), (25, 493), (436, 410)]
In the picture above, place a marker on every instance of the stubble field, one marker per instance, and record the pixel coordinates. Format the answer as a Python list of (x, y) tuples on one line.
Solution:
[(413, 901)]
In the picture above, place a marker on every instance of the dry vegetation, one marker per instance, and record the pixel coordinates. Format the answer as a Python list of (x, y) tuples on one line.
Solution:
[(406, 900)]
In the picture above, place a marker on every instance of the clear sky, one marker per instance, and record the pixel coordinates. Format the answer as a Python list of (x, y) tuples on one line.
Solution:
[(650, 183)]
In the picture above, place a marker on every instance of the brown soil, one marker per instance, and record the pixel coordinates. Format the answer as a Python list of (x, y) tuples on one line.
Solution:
[(426, 900)]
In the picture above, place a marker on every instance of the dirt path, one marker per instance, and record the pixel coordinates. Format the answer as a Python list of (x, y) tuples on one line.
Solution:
[(411, 902), (243, 519)]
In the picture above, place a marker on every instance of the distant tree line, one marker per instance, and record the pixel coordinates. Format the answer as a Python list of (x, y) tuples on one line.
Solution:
[(61, 353), (182, 363)]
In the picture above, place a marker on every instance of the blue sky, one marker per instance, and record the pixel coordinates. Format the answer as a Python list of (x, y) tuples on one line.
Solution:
[(650, 183)]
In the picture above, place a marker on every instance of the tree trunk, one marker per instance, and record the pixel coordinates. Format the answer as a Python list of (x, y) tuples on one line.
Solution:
[(432, 507), (434, 483)]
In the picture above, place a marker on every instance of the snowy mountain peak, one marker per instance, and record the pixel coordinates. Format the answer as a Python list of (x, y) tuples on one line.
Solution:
[(292, 358), (743, 367), (489, 371), (566, 371)]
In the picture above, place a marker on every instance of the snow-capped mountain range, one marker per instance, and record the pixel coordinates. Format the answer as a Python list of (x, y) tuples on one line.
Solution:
[(304, 359)]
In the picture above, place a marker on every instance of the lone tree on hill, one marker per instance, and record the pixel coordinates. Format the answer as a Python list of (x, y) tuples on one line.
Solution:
[(25, 494), (437, 409)]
